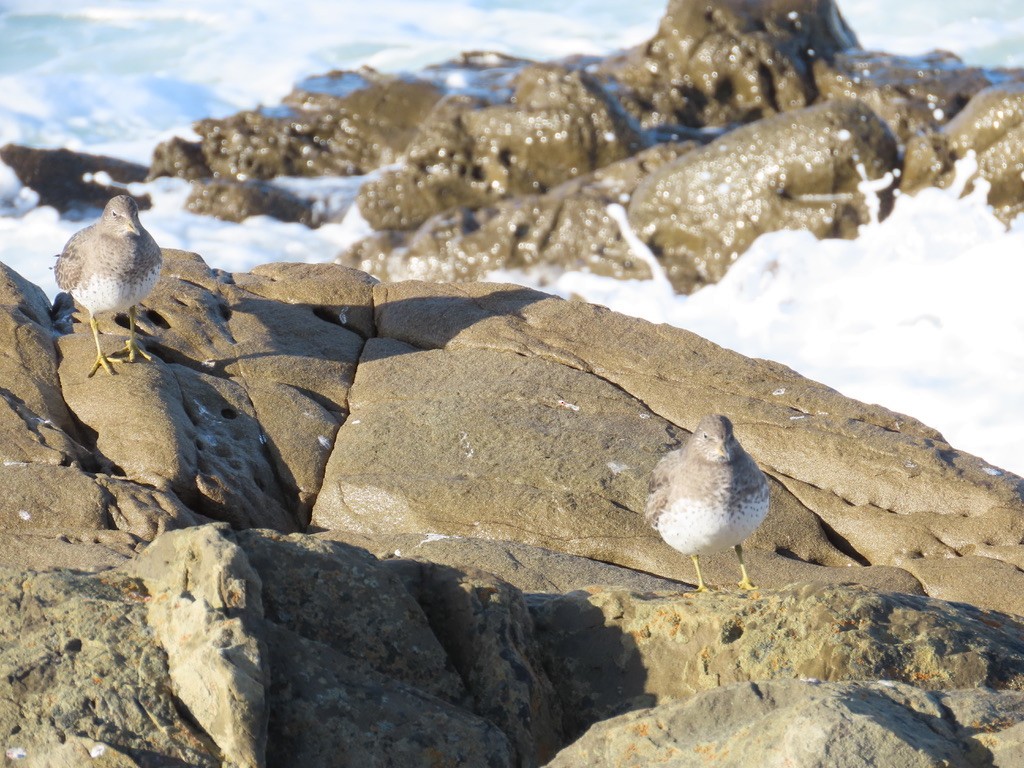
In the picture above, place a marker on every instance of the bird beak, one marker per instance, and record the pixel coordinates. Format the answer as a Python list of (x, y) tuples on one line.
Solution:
[(723, 451), (132, 227)]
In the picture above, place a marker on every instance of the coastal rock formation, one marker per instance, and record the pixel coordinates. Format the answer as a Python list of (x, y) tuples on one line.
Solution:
[(490, 445), (68, 180), (252, 648), (793, 723), (301, 394), (795, 171), (719, 63)]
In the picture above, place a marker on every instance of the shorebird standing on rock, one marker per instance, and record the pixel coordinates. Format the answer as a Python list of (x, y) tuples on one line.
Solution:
[(708, 495), (111, 266)]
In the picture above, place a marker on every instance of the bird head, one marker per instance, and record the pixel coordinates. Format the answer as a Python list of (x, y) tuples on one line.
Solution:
[(713, 439), (122, 213)]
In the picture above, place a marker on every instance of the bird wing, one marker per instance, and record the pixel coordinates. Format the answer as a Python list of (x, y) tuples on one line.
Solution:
[(663, 477), (69, 264)]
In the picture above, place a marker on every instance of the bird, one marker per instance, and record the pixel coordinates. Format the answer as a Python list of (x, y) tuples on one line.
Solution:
[(708, 495), (111, 266)]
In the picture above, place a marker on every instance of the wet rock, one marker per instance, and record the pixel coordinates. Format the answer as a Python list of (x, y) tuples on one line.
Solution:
[(342, 123), (561, 125), (913, 94), (992, 127), (718, 63), (180, 158), (235, 201), (567, 228), (795, 722), (69, 180), (610, 651), (795, 171)]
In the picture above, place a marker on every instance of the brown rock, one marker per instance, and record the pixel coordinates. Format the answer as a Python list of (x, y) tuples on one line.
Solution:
[(59, 176), (486, 628), (561, 125), (204, 608), (913, 94), (715, 63), (342, 598), (567, 228), (800, 170), (812, 442), (342, 123), (237, 201), (991, 126), (795, 723), (80, 664), (609, 651)]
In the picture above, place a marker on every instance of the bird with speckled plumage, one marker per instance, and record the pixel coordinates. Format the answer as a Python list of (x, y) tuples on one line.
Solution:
[(109, 267), (708, 496)]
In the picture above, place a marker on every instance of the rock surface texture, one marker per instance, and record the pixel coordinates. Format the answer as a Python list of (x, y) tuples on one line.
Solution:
[(340, 522), (469, 465)]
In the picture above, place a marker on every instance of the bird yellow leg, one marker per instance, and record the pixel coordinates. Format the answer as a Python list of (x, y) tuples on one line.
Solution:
[(701, 586), (131, 347), (101, 359), (745, 582)]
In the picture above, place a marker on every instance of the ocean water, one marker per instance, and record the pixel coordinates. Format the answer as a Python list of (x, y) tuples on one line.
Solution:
[(921, 313)]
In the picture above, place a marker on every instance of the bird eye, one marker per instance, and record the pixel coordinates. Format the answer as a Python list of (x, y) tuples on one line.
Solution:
[(704, 435)]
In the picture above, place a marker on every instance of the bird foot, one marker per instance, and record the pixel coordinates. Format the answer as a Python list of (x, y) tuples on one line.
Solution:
[(747, 585), (103, 360), (701, 588), (131, 348)]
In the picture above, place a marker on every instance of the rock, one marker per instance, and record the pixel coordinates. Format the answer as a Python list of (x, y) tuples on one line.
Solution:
[(341, 598), (561, 125), (81, 666), (795, 723), (567, 228), (583, 449), (716, 63), (342, 123), (180, 158), (237, 201), (488, 378), (915, 95), (70, 180), (486, 628), (311, 394), (610, 651), (992, 127), (800, 170), (330, 711), (529, 569), (204, 608)]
